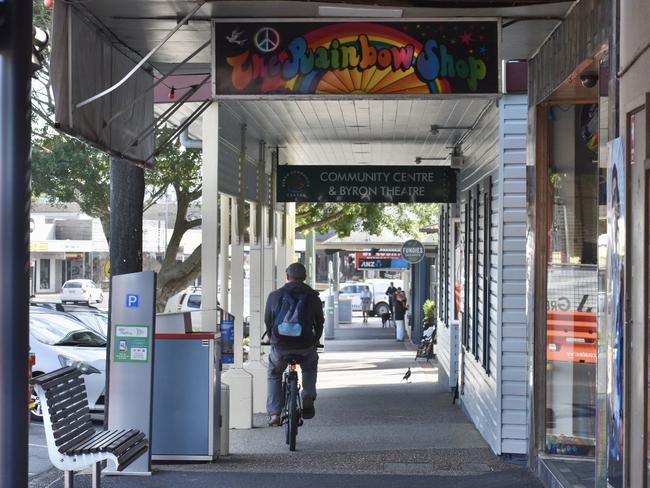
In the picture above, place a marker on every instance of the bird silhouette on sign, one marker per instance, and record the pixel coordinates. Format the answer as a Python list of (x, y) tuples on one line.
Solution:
[(233, 38), (407, 375)]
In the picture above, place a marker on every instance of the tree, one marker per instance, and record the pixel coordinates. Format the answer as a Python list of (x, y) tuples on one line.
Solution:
[(373, 218)]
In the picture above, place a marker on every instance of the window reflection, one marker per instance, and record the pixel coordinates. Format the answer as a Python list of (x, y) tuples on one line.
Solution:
[(572, 280)]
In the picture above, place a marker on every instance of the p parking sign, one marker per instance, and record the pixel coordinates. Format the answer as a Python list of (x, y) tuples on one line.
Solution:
[(132, 300)]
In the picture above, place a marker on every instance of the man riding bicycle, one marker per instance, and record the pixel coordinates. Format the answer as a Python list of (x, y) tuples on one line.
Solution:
[(294, 324)]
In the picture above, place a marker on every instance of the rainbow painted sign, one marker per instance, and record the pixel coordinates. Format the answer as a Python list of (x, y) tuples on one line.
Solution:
[(350, 58)]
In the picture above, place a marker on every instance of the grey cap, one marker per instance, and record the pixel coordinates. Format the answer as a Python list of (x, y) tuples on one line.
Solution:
[(297, 271)]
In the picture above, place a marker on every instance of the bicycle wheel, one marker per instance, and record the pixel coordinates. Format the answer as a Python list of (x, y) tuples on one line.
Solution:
[(292, 421)]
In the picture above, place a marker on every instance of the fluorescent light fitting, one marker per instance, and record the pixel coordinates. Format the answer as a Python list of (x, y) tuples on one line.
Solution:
[(334, 11)]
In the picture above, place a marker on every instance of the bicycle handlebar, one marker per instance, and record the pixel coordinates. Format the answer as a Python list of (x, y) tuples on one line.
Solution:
[(318, 346)]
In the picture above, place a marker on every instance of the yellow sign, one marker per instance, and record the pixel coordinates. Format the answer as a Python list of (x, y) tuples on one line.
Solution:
[(38, 246), (107, 269)]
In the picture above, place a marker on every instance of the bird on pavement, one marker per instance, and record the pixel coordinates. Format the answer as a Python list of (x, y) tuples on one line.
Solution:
[(407, 375)]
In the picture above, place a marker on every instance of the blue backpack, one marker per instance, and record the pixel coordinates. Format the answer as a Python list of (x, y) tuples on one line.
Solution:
[(288, 314)]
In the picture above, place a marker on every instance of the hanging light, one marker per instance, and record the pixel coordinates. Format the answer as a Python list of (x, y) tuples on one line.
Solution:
[(172, 93)]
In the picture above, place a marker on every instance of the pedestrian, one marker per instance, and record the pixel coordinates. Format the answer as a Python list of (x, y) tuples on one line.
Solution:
[(400, 313), (294, 324), (366, 303)]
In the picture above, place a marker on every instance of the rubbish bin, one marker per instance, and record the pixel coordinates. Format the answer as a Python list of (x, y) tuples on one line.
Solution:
[(345, 311)]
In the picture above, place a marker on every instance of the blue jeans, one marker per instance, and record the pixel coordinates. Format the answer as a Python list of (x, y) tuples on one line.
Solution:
[(278, 363)]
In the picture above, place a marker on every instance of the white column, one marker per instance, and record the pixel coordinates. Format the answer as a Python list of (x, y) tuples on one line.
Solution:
[(255, 365), (269, 259), (291, 233), (224, 271), (281, 250), (237, 284), (210, 222), (239, 381)]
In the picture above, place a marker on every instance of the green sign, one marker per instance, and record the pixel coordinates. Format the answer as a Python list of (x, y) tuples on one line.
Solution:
[(131, 344)]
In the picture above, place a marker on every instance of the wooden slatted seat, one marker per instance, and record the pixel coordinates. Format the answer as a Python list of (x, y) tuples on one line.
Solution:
[(72, 440)]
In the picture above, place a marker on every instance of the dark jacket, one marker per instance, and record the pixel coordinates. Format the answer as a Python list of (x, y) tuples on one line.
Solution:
[(400, 310), (312, 319)]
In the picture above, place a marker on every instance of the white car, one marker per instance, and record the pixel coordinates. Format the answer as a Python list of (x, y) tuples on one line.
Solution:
[(58, 340), (81, 291), (352, 291)]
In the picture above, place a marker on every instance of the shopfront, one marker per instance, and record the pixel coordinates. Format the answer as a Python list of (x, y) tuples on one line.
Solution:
[(577, 352)]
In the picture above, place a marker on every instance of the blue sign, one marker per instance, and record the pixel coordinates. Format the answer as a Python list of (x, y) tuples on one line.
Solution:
[(132, 300), (227, 341)]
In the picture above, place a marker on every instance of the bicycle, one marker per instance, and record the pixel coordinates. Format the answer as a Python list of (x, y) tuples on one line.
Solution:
[(291, 415), (292, 410)]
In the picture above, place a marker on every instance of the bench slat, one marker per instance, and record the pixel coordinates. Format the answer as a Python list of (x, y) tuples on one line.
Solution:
[(63, 428), (76, 440), (45, 378), (75, 373), (121, 441), (129, 444), (64, 395), (64, 387), (131, 455), (57, 406), (106, 441), (74, 433), (69, 413), (84, 447)]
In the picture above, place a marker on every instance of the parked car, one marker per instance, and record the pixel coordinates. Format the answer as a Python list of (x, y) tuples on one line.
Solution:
[(81, 291), (92, 317), (352, 291), (59, 340), (189, 300), (380, 285)]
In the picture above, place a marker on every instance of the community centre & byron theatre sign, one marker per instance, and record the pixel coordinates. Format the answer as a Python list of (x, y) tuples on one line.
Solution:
[(290, 57), (366, 184)]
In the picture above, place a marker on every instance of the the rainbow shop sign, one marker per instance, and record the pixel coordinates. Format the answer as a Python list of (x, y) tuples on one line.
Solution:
[(346, 58)]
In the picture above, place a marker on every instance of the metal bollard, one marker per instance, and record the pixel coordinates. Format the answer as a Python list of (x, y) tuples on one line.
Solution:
[(224, 435)]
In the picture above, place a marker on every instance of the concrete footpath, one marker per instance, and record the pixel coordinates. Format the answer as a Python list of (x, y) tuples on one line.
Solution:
[(371, 430)]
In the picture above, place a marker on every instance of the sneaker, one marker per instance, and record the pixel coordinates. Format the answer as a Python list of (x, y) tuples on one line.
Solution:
[(308, 410), (274, 420)]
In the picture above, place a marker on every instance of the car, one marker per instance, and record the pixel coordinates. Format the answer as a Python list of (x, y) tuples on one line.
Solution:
[(81, 291), (352, 291), (90, 316), (189, 300), (380, 285), (58, 340)]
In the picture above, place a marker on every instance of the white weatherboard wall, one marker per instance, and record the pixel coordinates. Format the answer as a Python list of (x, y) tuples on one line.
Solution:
[(496, 401), (512, 266)]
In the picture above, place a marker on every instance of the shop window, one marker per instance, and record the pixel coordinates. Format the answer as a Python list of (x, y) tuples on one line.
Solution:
[(467, 274), (572, 279), (475, 271), (487, 266)]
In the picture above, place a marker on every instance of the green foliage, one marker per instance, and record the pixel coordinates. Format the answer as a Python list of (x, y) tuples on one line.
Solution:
[(429, 310), (373, 218)]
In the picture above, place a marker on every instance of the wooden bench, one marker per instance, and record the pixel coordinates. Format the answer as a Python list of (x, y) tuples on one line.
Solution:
[(73, 443)]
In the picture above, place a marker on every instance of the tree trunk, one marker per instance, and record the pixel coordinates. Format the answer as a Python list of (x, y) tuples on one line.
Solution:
[(127, 200)]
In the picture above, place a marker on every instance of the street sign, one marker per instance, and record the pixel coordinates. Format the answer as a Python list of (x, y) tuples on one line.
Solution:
[(367, 184), (380, 260), (413, 251)]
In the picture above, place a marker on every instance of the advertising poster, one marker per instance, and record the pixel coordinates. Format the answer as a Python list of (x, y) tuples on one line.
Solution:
[(131, 344), (356, 58), (227, 341), (615, 312)]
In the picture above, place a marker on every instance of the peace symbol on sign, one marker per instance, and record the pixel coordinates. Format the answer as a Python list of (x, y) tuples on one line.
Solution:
[(267, 39)]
